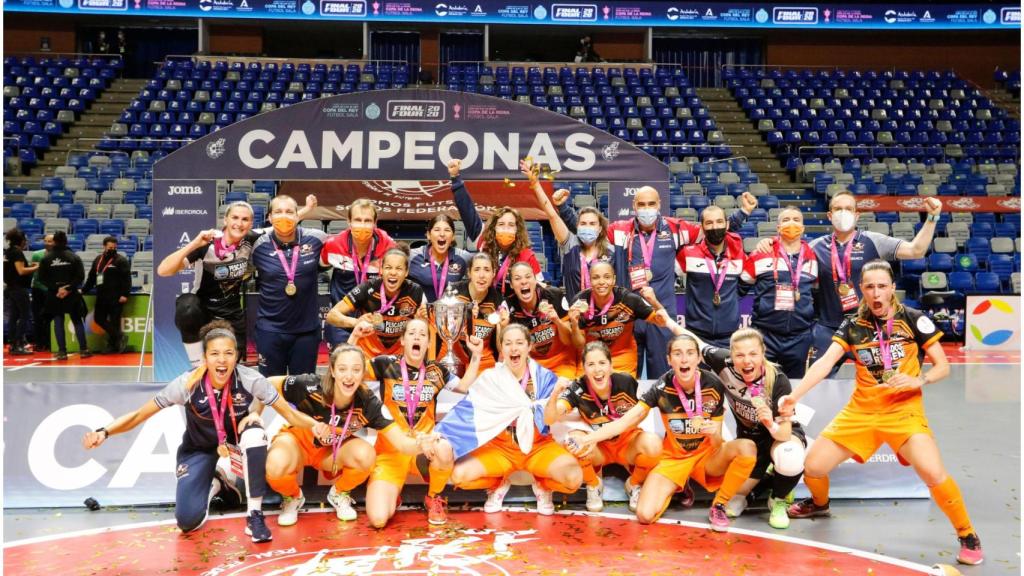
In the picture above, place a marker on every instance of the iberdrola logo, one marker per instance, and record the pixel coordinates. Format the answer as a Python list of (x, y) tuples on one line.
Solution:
[(991, 306)]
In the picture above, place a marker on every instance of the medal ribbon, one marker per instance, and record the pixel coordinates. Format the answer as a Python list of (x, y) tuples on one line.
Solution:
[(438, 287), (411, 402), (385, 305), (584, 271), (499, 280), (885, 344), (362, 271), (338, 439), (289, 272), (218, 413), (593, 305), (713, 270), (794, 277), (846, 270), (755, 388), (698, 400), (220, 249), (612, 412)]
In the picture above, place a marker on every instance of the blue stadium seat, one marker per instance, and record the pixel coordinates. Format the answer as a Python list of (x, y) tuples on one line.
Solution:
[(962, 282)]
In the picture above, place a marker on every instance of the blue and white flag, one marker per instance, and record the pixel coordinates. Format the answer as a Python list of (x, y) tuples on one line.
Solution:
[(493, 403)]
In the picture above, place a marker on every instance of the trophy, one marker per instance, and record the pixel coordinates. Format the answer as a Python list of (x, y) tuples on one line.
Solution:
[(451, 316)]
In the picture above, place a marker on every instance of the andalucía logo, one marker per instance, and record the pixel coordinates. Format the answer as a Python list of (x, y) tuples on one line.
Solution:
[(991, 306)]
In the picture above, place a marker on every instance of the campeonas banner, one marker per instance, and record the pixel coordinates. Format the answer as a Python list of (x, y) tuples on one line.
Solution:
[(949, 204)]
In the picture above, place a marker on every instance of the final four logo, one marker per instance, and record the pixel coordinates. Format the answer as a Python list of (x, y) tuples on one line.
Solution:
[(216, 149)]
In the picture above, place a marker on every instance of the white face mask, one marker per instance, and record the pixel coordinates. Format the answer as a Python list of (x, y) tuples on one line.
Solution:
[(843, 220)]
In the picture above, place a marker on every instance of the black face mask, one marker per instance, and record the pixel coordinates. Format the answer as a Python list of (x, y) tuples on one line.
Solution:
[(715, 236), (112, 252)]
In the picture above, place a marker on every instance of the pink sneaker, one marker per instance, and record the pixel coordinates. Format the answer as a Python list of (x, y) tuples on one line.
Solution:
[(718, 518), (970, 550)]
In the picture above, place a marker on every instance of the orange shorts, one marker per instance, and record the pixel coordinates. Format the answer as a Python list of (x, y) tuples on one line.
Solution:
[(679, 470), (394, 468), (501, 457), (614, 450), (312, 455), (862, 433)]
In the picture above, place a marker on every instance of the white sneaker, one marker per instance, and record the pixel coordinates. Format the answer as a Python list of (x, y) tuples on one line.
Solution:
[(634, 495), (290, 510), (735, 507), (594, 501), (496, 497), (342, 503), (545, 501)]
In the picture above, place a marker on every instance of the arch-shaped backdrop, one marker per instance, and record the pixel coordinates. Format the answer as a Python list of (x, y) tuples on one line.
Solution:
[(389, 145)]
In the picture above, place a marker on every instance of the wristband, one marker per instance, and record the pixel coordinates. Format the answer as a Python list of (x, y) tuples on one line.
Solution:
[(933, 217), (106, 433)]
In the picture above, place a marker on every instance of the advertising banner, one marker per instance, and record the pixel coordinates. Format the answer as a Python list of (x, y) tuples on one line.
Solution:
[(993, 323), (46, 466), (980, 204), (921, 16), (133, 324)]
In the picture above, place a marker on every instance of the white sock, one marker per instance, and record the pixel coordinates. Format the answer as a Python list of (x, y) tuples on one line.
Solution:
[(215, 488), (254, 503)]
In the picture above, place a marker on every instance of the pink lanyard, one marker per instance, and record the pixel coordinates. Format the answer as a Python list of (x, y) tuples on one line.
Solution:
[(385, 305), (362, 271), (755, 388), (438, 287), (646, 248), (612, 412), (843, 272), (338, 439), (221, 250), (411, 402), (885, 344), (604, 309), (698, 400), (584, 271), (794, 276), (499, 280), (289, 272), (713, 270), (526, 379), (218, 414)]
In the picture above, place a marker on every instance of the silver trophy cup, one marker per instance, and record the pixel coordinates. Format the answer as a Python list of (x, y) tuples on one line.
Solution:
[(451, 317)]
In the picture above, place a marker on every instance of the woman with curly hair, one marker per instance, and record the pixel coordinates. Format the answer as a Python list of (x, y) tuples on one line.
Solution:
[(504, 237)]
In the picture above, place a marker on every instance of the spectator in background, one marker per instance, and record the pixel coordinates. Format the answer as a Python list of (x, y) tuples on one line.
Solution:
[(111, 275), (17, 279), (586, 52), (62, 272), (40, 318), (122, 43), (102, 44)]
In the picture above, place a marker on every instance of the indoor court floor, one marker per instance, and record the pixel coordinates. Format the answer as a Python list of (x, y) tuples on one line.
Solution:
[(975, 413)]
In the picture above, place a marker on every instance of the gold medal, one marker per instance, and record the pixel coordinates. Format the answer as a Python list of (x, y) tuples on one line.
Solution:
[(796, 296), (290, 289), (716, 299), (698, 423), (649, 275), (844, 289), (377, 319), (887, 374), (757, 401), (222, 450)]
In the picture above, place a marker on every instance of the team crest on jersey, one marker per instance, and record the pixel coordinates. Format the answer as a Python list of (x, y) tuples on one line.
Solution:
[(182, 471), (664, 235), (406, 310), (306, 250)]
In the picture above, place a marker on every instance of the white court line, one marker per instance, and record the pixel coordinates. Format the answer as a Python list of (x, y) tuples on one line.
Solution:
[(16, 368), (686, 523)]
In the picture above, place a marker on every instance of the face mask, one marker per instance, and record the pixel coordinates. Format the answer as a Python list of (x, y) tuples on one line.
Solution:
[(112, 251), (587, 235), (504, 239), (791, 231), (843, 220), (647, 216), (361, 235), (715, 235), (284, 226)]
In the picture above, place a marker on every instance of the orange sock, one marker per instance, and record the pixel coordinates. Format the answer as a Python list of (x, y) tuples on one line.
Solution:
[(350, 478), (590, 477), (818, 488), (641, 468), (287, 485), (735, 475), (438, 480), (947, 495)]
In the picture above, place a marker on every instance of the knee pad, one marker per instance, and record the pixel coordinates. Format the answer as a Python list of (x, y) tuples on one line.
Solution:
[(189, 316), (252, 437), (788, 458)]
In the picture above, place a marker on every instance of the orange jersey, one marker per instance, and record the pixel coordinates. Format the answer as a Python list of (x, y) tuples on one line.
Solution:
[(548, 349), (682, 438), (621, 398), (615, 327), (912, 333), (388, 371), (386, 338)]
